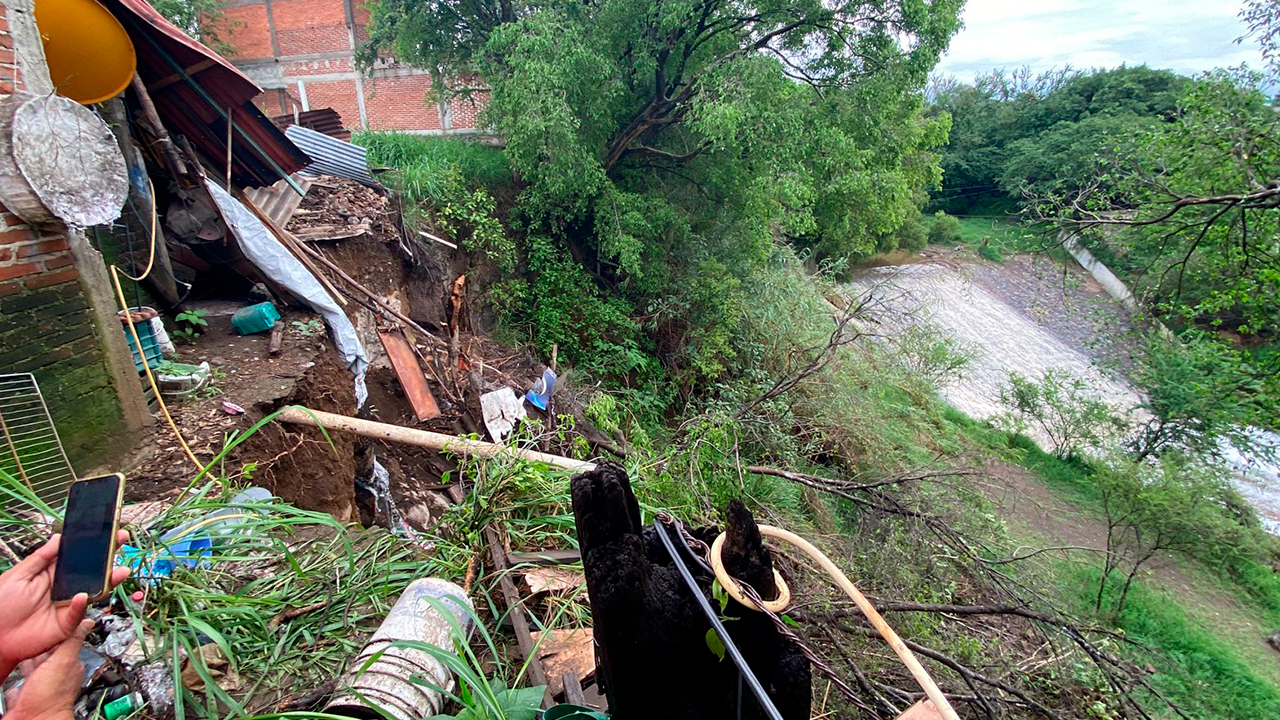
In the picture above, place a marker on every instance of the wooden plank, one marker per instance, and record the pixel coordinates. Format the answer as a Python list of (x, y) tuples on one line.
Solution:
[(168, 80), (321, 233), (546, 557), (573, 689), (515, 612), (410, 374), (566, 652), (277, 336)]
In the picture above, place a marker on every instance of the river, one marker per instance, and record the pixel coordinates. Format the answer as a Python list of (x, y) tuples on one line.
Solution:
[(1029, 316)]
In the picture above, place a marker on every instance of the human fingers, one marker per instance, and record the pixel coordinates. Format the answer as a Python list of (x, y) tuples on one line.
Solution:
[(69, 650), (120, 574), (52, 688), (36, 562), (72, 613), (122, 537)]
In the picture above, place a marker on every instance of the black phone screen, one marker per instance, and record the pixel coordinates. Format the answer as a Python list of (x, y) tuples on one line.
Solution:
[(88, 529)]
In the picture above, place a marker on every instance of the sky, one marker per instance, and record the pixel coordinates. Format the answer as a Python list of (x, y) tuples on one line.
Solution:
[(1187, 36)]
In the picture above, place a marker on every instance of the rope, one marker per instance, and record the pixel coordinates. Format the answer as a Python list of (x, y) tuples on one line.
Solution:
[(133, 331), (904, 653)]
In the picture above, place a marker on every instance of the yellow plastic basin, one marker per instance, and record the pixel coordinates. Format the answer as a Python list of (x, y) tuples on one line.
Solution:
[(91, 58)]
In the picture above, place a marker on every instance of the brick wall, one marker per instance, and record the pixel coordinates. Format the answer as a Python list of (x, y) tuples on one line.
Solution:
[(311, 58), (47, 326)]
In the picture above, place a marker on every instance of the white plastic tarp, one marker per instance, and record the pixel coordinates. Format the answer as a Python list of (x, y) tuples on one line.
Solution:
[(276, 262)]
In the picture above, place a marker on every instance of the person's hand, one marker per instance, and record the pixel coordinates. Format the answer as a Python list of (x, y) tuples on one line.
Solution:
[(51, 683), (30, 622)]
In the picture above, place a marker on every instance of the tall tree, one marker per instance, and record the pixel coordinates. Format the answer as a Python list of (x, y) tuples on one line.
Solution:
[(580, 89)]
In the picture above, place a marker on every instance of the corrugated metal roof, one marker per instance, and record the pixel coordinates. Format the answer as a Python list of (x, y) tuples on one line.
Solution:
[(164, 54), (324, 120), (330, 156)]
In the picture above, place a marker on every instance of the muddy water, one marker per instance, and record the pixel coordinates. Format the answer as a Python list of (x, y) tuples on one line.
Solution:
[(1006, 339)]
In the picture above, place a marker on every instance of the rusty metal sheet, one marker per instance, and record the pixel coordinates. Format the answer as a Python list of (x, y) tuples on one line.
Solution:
[(410, 374), (161, 46)]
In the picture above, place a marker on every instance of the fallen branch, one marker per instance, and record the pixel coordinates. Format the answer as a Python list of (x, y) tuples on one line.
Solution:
[(292, 613)]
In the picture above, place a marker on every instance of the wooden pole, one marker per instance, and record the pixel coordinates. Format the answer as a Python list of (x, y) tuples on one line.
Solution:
[(515, 613), (230, 127), (297, 415), (176, 166)]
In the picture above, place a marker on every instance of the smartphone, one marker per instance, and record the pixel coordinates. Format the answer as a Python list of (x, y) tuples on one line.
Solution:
[(88, 538)]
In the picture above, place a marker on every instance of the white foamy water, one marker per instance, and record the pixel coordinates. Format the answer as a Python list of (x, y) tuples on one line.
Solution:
[(1005, 340)]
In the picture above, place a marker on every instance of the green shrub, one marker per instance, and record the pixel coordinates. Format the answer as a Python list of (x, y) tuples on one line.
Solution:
[(468, 216), (1062, 407), (913, 235), (945, 229), (560, 304), (990, 250)]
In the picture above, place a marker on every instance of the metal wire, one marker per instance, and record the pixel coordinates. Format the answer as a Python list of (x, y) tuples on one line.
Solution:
[(30, 449), (756, 688)]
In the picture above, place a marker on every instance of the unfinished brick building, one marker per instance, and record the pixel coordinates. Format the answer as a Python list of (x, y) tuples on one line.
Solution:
[(302, 54)]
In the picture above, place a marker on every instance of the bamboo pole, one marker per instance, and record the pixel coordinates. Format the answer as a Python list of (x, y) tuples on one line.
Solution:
[(297, 415)]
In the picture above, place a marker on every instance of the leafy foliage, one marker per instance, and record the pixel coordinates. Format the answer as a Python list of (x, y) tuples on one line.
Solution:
[(189, 325), (1017, 133), (1175, 506), (1201, 393), (423, 164), (668, 146), (944, 230), (203, 20), (1062, 407), (468, 216)]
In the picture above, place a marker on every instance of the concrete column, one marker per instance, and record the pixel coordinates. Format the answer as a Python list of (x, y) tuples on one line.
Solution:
[(98, 290)]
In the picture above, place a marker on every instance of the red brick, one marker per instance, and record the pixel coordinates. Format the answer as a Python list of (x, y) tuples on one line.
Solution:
[(44, 281), (44, 247), (60, 261), (12, 287), (6, 254), (14, 236), (16, 271), (6, 55), (4, 22), (6, 40), (247, 31)]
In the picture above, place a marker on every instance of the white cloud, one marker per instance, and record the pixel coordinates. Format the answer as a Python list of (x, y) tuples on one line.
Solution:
[(1188, 36)]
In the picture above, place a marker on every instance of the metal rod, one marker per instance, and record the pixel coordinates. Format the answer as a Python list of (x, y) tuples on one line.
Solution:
[(766, 703), (17, 462)]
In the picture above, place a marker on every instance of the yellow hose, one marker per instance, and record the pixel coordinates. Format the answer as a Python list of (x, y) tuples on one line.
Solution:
[(133, 331), (904, 653)]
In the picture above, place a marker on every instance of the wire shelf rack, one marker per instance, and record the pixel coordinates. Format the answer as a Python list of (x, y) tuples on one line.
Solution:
[(30, 450)]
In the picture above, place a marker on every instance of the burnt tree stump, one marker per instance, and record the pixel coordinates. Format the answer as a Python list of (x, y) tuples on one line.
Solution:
[(651, 650)]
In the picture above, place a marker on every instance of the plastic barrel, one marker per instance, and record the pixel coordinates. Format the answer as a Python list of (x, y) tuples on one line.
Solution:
[(387, 683)]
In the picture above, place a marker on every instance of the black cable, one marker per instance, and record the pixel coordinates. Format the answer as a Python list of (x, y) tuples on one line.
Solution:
[(756, 688)]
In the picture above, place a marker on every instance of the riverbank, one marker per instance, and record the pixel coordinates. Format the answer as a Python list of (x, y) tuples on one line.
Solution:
[(1030, 314)]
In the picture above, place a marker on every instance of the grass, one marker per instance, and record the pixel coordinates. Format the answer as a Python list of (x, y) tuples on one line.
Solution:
[(1207, 675), (423, 163), (1209, 669), (995, 239)]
